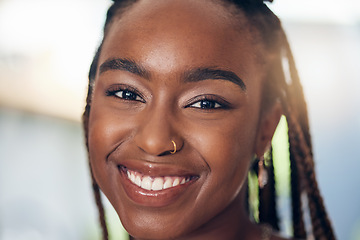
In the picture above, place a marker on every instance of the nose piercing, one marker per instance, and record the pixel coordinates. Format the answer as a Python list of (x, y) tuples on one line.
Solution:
[(174, 151)]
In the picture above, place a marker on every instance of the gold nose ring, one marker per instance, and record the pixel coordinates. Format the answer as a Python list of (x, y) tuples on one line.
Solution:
[(174, 151)]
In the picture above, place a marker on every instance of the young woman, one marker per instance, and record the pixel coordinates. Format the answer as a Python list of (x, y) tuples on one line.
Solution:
[(183, 96)]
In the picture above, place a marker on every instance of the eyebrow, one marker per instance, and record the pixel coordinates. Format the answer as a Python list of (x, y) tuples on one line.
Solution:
[(194, 75), (201, 74), (125, 65)]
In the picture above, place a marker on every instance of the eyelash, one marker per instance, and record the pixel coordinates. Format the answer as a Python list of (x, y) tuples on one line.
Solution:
[(118, 91)]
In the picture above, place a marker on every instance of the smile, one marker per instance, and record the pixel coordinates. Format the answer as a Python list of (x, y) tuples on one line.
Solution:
[(158, 186), (156, 183)]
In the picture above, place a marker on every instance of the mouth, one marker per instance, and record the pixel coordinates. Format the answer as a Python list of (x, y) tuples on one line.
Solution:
[(155, 183), (157, 189)]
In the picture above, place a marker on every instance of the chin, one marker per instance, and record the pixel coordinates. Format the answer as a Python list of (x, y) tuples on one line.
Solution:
[(153, 231)]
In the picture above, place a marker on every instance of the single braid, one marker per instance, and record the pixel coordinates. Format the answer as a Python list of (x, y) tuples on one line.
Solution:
[(297, 177), (296, 190), (100, 207), (267, 197)]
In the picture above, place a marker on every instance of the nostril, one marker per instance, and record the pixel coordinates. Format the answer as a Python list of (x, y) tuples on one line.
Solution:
[(165, 153)]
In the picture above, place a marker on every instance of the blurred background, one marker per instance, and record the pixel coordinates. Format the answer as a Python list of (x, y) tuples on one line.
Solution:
[(46, 48)]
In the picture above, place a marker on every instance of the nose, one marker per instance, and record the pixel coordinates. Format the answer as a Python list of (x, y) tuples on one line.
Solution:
[(156, 134)]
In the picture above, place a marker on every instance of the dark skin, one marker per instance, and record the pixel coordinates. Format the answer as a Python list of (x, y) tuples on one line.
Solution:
[(184, 72)]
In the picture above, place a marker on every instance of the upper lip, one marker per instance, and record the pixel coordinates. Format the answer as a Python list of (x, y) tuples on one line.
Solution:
[(190, 164)]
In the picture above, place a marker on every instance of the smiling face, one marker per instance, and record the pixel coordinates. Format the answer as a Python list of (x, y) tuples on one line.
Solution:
[(181, 71)]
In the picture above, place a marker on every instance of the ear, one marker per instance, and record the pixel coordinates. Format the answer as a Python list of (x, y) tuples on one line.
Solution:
[(266, 129)]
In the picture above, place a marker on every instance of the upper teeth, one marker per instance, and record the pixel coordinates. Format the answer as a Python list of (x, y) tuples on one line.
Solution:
[(157, 183)]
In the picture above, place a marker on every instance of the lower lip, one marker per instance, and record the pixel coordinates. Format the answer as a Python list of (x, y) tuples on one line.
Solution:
[(149, 198)]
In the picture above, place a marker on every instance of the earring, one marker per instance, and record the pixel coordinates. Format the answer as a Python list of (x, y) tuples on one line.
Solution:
[(263, 174)]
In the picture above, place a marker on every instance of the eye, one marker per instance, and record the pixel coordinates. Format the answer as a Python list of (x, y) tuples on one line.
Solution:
[(128, 95), (206, 104), (125, 93)]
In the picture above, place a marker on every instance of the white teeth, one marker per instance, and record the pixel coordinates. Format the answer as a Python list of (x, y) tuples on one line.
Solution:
[(146, 183), (138, 181), (155, 184), (132, 177), (168, 183), (176, 182)]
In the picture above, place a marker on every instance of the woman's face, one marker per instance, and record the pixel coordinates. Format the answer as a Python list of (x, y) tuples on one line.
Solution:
[(174, 71)]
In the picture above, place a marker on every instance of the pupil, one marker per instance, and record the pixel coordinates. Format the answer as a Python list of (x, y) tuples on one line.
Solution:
[(207, 104), (129, 95)]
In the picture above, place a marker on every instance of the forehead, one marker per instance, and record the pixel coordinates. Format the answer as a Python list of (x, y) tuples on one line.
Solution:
[(171, 35)]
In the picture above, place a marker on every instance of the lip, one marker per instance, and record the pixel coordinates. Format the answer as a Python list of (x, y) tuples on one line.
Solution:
[(150, 198)]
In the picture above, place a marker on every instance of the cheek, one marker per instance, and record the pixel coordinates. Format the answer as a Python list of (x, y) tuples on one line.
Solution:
[(228, 144), (227, 150), (229, 154), (106, 132)]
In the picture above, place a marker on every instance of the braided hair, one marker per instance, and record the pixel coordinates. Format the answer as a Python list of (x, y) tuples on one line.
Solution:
[(285, 88)]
